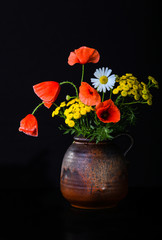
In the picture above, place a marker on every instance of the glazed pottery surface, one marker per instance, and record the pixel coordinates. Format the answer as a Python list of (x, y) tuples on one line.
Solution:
[(93, 176)]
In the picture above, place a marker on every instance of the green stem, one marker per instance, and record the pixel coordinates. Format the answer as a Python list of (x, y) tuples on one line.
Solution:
[(117, 99), (82, 73), (35, 109), (150, 85), (103, 94), (55, 104), (67, 82), (110, 93), (134, 103)]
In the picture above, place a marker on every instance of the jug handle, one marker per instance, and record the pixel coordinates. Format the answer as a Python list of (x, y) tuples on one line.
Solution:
[(131, 141)]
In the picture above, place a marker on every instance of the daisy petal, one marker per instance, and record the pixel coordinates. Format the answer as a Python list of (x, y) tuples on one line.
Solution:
[(94, 79), (100, 70), (106, 71), (95, 85), (111, 80), (103, 71), (109, 72), (104, 88), (97, 74), (107, 86), (99, 88), (112, 76)]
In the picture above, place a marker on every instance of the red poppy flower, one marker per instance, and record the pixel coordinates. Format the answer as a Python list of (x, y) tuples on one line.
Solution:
[(29, 125), (47, 91), (108, 112), (88, 95), (83, 55)]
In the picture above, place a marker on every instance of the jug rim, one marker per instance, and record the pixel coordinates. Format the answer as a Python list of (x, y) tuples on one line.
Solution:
[(81, 139)]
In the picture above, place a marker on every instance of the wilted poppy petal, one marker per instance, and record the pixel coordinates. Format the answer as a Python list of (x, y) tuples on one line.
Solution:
[(83, 55), (47, 91), (88, 95), (29, 125)]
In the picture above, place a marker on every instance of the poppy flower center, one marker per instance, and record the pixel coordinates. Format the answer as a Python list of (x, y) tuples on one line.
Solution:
[(103, 80), (104, 115), (90, 92)]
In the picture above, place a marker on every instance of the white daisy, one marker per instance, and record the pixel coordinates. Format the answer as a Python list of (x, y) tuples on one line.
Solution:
[(103, 79)]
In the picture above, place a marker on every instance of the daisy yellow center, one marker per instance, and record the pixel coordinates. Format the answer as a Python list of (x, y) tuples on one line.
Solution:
[(103, 79)]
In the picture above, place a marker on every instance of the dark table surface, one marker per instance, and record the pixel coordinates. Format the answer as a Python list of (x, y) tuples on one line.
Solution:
[(35, 213)]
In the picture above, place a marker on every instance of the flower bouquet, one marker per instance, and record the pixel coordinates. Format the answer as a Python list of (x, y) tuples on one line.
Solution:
[(96, 113), (94, 171)]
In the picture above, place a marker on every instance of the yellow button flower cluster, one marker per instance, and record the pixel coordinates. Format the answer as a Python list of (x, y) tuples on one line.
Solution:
[(130, 86), (153, 81), (56, 111), (75, 109)]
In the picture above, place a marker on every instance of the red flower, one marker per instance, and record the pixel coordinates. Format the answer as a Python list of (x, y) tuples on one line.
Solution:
[(29, 125), (88, 95), (47, 91), (108, 112), (83, 55)]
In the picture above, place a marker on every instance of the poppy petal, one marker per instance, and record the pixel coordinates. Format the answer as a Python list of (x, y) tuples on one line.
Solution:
[(95, 57), (29, 125), (48, 104), (107, 112), (72, 59), (47, 91), (88, 95), (83, 55), (105, 104)]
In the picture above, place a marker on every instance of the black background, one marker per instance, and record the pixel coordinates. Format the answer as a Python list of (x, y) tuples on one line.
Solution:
[(36, 39)]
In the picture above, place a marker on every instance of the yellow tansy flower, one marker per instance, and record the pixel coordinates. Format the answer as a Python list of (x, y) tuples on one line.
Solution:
[(71, 102), (135, 87), (130, 85), (134, 92), (66, 120), (149, 102), (83, 111), (128, 74), (63, 104), (124, 93), (115, 91), (137, 97), (126, 88), (70, 116), (129, 92), (77, 115), (119, 88), (56, 112), (144, 91), (145, 96), (152, 79), (88, 108), (66, 112), (71, 123), (53, 113)]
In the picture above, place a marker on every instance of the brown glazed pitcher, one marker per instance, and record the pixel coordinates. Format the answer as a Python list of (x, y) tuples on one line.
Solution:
[(94, 176)]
